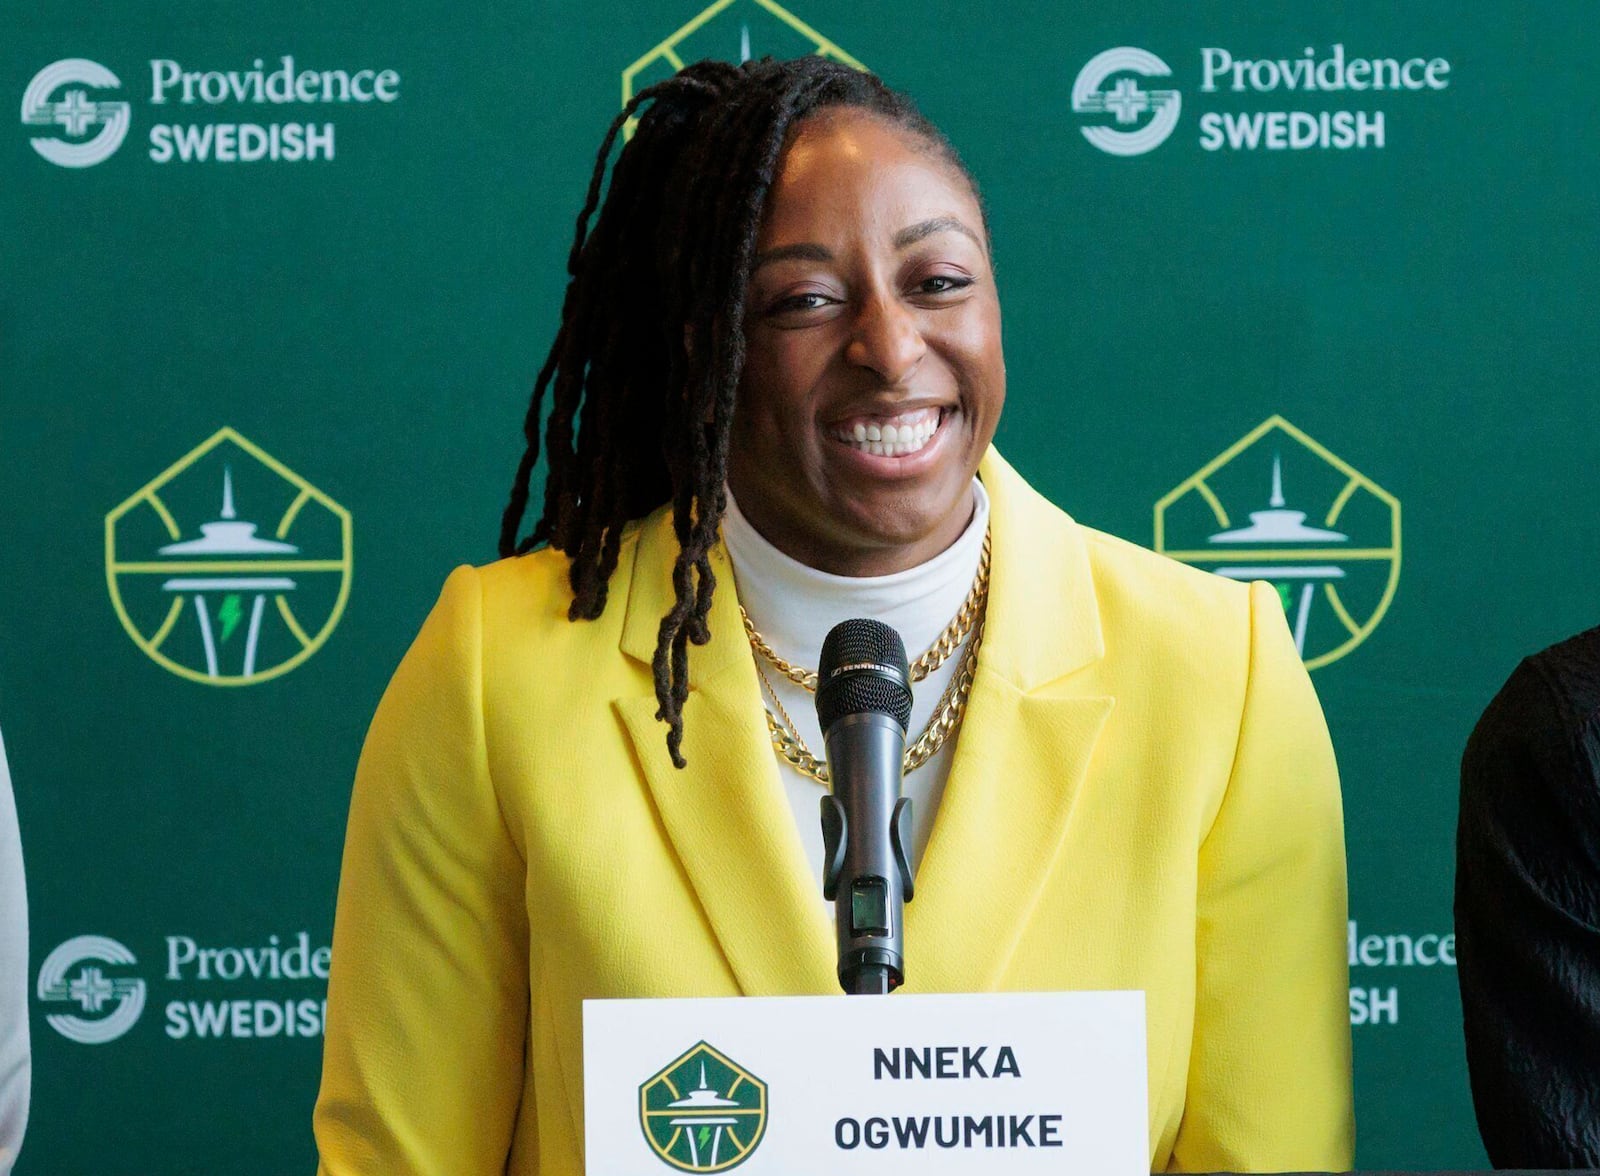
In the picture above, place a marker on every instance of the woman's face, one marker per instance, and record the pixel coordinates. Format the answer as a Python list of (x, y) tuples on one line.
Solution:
[(871, 307)]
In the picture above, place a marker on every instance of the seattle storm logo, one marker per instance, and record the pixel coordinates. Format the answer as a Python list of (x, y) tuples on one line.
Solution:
[(1323, 534), (73, 112), (1126, 101), (731, 30), (704, 1112), (202, 592)]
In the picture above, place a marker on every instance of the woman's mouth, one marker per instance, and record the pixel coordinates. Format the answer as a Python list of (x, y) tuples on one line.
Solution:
[(890, 436)]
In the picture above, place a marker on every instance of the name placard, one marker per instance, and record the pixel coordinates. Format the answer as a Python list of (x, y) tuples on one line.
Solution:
[(1006, 1082)]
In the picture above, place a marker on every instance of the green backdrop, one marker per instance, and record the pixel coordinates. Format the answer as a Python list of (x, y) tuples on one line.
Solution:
[(198, 622)]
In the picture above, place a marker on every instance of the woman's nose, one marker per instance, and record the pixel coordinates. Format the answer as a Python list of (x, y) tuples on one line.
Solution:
[(886, 340)]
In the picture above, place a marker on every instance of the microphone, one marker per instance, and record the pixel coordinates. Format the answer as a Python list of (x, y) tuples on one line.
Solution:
[(864, 706)]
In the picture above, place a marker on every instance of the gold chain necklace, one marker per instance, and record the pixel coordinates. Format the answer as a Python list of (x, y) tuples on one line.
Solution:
[(947, 715), (947, 643)]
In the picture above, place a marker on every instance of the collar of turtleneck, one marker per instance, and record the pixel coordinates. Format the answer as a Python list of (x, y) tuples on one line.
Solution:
[(793, 606)]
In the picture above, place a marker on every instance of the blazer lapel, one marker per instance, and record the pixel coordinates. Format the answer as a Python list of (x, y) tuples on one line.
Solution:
[(1024, 752), (726, 813), (1017, 771)]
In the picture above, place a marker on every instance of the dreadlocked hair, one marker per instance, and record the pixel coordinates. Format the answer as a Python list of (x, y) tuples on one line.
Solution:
[(645, 365)]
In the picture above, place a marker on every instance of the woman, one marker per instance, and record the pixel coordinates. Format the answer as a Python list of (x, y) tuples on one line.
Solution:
[(559, 799)]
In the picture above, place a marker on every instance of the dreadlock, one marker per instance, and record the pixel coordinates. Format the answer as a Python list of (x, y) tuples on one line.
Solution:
[(647, 360)]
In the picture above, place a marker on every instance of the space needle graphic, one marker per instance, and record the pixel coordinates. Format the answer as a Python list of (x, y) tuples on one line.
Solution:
[(701, 1105), (1335, 586), (228, 539), (1279, 524)]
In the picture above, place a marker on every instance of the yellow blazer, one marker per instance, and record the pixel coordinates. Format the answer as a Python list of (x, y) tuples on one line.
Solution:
[(1143, 796)]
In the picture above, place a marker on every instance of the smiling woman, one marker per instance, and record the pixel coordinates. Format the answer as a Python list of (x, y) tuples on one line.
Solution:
[(772, 399), (873, 375)]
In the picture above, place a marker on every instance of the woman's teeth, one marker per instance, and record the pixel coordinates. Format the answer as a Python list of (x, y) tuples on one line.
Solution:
[(889, 436)]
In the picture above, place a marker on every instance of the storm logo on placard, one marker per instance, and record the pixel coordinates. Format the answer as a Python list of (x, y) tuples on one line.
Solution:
[(704, 1112), (228, 568), (1279, 507), (731, 30)]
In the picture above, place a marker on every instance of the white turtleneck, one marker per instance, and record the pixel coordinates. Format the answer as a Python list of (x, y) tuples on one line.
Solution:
[(793, 606)]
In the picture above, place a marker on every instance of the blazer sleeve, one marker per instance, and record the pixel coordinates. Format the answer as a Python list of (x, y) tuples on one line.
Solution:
[(1528, 917), (1269, 1085), (428, 993)]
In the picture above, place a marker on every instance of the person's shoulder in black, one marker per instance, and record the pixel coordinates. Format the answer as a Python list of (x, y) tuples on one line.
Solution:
[(1527, 909)]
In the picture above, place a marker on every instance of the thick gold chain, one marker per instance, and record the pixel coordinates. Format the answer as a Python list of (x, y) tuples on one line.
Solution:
[(947, 643), (946, 718)]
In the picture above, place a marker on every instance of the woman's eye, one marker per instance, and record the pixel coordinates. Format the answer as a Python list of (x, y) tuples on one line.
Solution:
[(807, 301), (942, 284)]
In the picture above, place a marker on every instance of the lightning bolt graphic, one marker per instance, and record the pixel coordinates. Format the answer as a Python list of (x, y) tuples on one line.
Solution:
[(230, 614), (705, 1134)]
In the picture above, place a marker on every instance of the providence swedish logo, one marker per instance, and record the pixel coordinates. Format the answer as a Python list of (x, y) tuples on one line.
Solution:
[(1129, 102), (704, 1112), (228, 568), (75, 972), (59, 99), (1277, 506)]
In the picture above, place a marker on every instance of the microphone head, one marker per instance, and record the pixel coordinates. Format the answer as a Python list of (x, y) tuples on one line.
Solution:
[(863, 668)]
